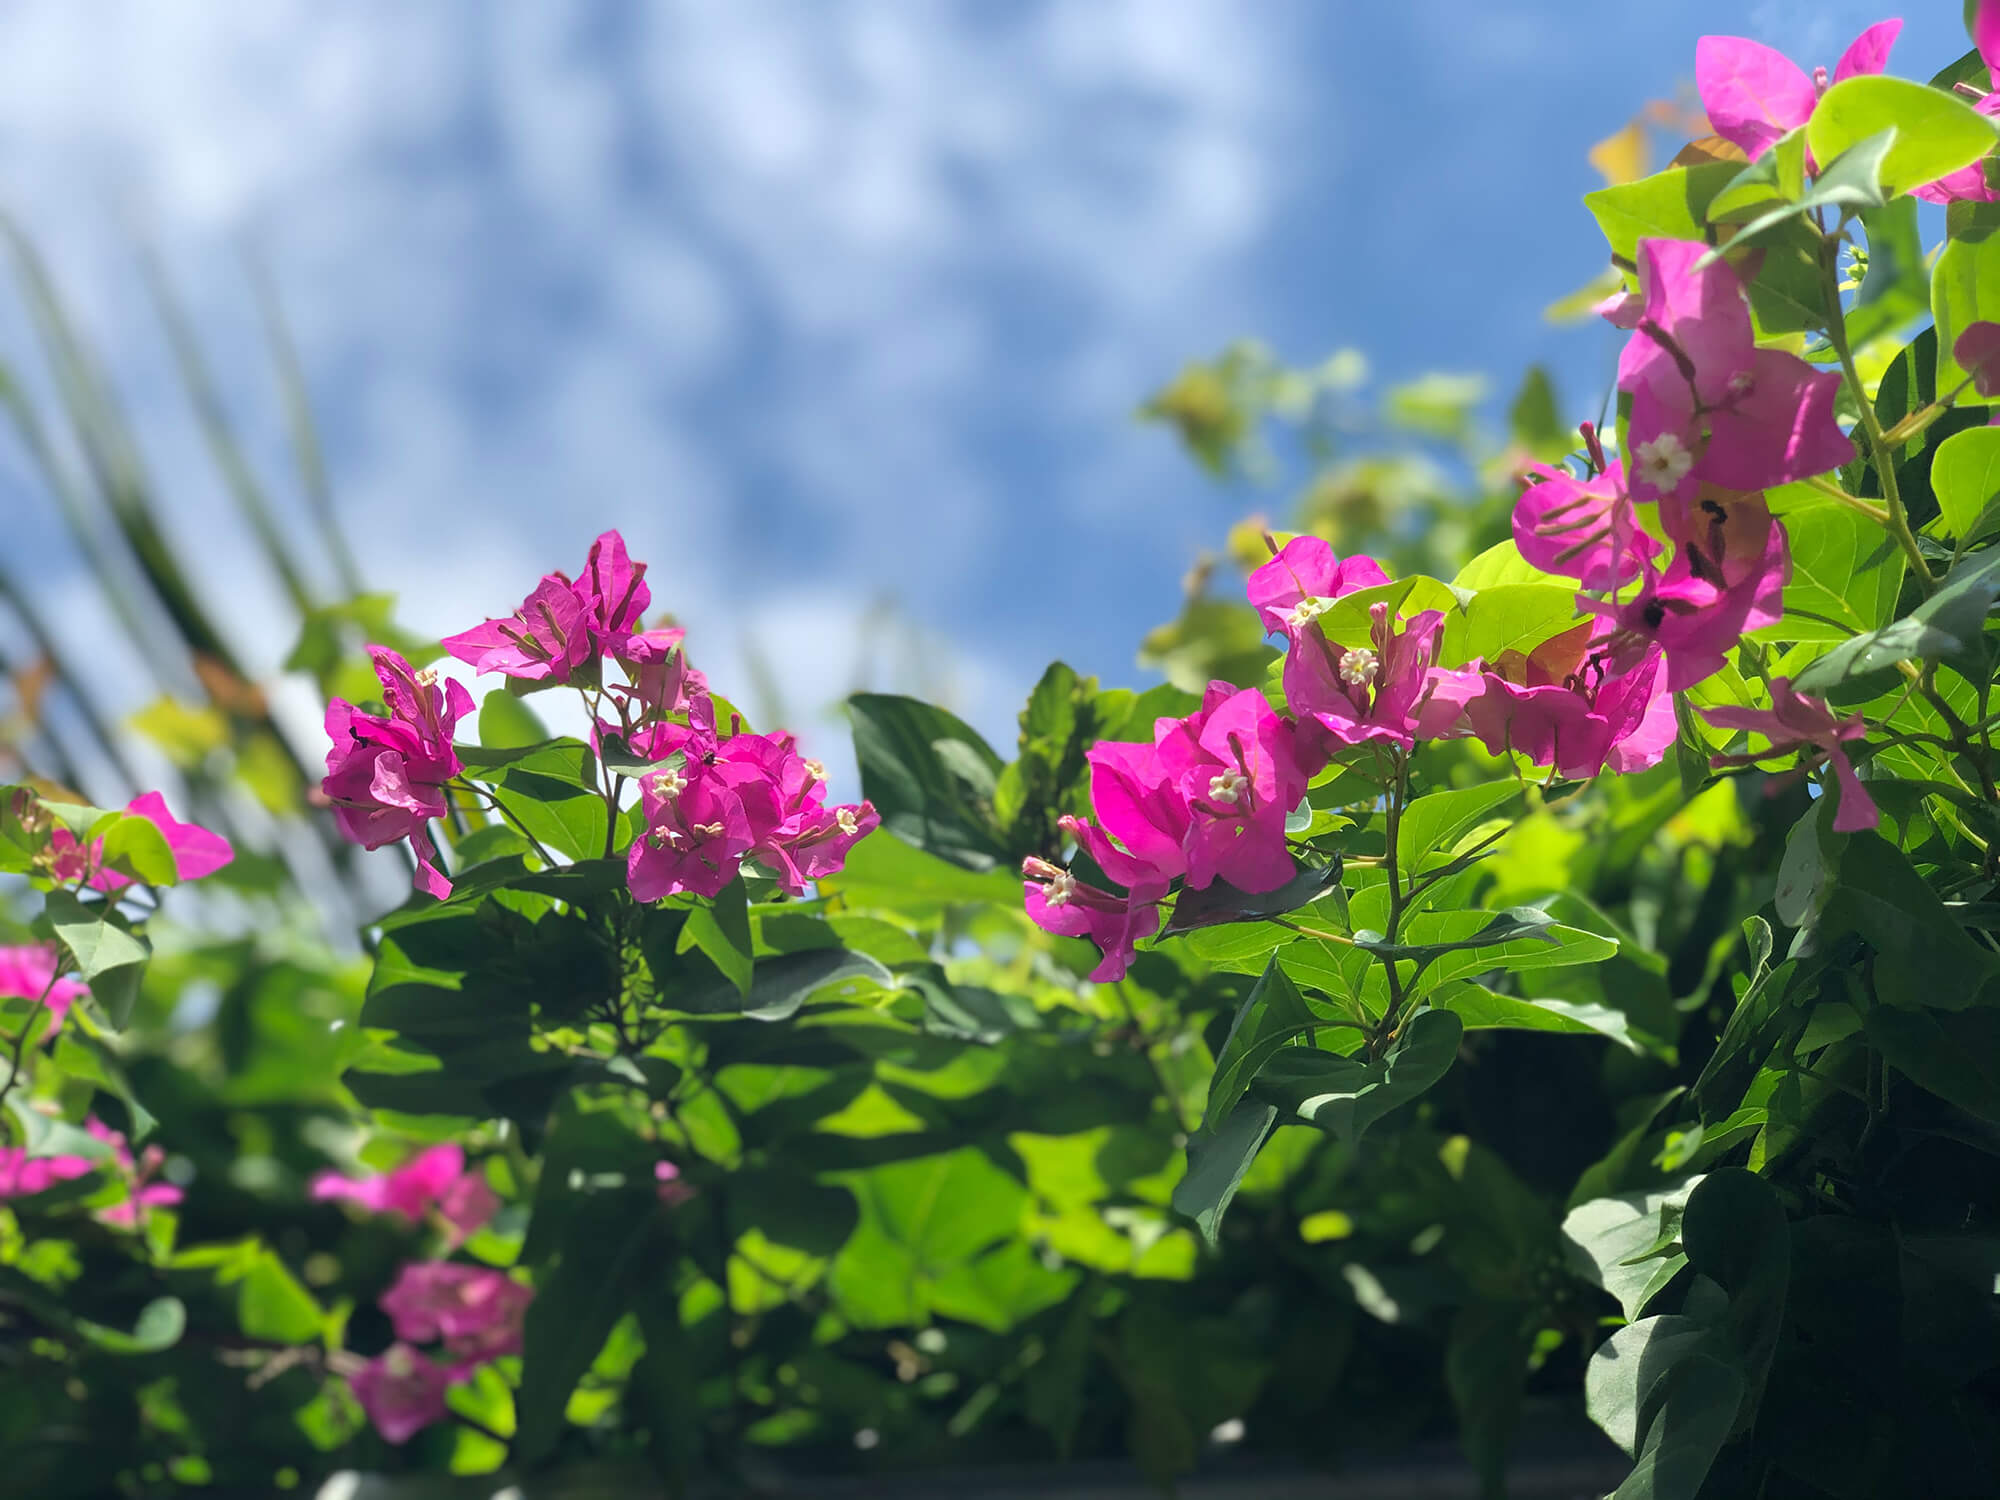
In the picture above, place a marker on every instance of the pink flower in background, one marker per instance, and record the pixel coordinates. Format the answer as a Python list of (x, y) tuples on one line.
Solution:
[(1294, 588), (1755, 95), (22, 1175), (1058, 902), (1235, 768), (1582, 528), (1795, 721), (667, 1184), (142, 1192), (1969, 184), (1562, 705), (385, 777), (433, 1178), (1707, 403), (196, 851), (401, 1391), (477, 1311), (25, 974)]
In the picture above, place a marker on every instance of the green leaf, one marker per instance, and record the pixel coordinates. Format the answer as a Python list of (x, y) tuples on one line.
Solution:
[(577, 1300), (922, 1223), (1950, 624), (1965, 477), (1272, 1015), (158, 1327), (1657, 1392), (1925, 960), (1936, 133), (134, 845), (506, 723), (1778, 176), (109, 956), (1628, 1244), (1498, 565), (1345, 1097), (785, 983), (1506, 617), (551, 789), (1485, 1364), (1735, 1234), (1846, 571), (930, 776), (1432, 825), (1217, 1159), (721, 929), (1852, 184), (1668, 205), (1220, 902), (1483, 1010), (1953, 1054), (1965, 289)]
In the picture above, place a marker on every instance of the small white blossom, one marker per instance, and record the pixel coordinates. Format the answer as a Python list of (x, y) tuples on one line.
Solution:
[(1228, 788), (1359, 666), (1664, 462)]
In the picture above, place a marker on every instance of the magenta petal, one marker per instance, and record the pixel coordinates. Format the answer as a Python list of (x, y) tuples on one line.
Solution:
[(1858, 812), (1783, 430), (1869, 52), (1986, 35), (1977, 351), (1753, 93), (1574, 528)]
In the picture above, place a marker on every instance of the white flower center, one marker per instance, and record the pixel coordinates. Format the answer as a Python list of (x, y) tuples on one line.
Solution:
[(426, 676), (1307, 610), (1061, 886), (845, 820), (1664, 462), (400, 1362), (669, 783), (1359, 666), (1228, 787), (814, 772)]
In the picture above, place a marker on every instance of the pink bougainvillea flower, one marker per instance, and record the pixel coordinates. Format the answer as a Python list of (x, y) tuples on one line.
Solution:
[(401, 1391), (1581, 528), (468, 1205), (385, 777), (1235, 768), (1795, 721), (1562, 705), (477, 1311), (1727, 579), (431, 1179), (22, 1174), (1058, 902), (1302, 578), (662, 682), (1379, 692), (1755, 95), (667, 1184), (728, 799), (1977, 351), (1969, 184), (1707, 403), (196, 851), (546, 640), (142, 1192), (28, 973), (1137, 803), (614, 591)]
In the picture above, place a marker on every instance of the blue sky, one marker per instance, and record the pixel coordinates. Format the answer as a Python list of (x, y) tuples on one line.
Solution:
[(826, 305)]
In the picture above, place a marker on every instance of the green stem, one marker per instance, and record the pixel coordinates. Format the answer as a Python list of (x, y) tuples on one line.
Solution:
[(1879, 447), (1394, 823)]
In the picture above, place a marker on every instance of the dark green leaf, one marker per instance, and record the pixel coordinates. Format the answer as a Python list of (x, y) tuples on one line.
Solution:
[(1217, 1160), (931, 777)]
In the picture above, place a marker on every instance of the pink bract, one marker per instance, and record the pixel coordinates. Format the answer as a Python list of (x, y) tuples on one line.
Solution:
[(385, 777), (476, 1310), (1563, 706), (1969, 184), (22, 1174), (1707, 403), (196, 851), (401, 1391), (1305, 576), (25, 974), (430, 1179), (1058, 902), (1795, 721), (1235, 768), (1581, 528), (1754, 94)]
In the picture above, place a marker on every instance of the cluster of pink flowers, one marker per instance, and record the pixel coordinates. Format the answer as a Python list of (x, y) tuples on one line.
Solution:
[(1715, 421), (22, 1175), (434, 1179), (475, 1312), (30, 973), (710, 800), (196, 851)]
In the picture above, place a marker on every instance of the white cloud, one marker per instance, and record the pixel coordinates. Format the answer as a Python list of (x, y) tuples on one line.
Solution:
[(771, 285)]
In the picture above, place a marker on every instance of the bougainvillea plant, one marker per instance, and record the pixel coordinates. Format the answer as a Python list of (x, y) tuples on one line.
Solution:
[(1571, 980)]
